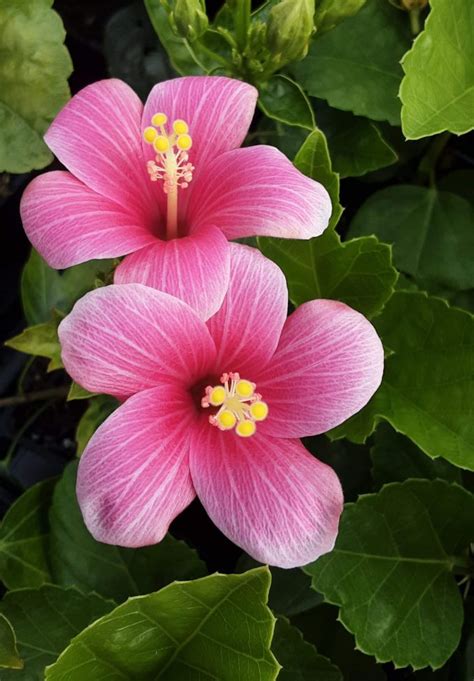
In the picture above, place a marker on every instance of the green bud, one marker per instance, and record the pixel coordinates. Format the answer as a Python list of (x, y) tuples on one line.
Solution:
[(290, 26), (189, 18)]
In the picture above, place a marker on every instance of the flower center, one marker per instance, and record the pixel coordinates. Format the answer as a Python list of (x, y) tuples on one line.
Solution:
[(240, 407), (171, 164)]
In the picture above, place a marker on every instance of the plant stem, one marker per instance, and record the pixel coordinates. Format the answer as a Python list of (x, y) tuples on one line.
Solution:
[(242, 22), (430, 159), (35, 396), (415, 21)]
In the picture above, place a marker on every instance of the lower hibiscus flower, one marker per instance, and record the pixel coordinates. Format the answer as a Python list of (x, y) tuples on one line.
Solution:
[(213, 409)]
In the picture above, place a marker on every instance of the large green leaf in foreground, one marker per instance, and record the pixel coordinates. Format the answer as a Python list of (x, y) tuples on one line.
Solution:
[(45, 620), (391, 571), (358, 272), (218, 627), (427, 391), (432, 232), (112, 571), (438, 89), (24, 539), (34, 68)]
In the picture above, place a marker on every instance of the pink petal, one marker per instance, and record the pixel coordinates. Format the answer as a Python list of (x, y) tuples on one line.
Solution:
[(123, 339), (257, 191), (69, 223), (247, 327), (218, 111), (194, 268), (269, 496), (327, 366), (98, 137), (133, 477)]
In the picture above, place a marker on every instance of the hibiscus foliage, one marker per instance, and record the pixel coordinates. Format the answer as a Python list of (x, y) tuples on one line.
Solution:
[(353, 192)]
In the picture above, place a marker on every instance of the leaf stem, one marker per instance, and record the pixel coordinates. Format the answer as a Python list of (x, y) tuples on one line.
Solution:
[(35, 396)]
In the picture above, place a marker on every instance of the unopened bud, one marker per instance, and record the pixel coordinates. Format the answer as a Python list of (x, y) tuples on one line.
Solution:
[(290, 26), (189, 18)]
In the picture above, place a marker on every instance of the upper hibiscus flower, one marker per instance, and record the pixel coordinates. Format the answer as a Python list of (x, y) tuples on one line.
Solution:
[(214, 408), (167, 184)]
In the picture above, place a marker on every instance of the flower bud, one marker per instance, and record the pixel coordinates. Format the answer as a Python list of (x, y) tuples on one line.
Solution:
[(289, 29), (189, 18)]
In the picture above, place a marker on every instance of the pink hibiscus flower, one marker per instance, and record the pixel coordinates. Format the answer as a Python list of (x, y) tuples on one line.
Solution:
[(214, 409), (166, 185)]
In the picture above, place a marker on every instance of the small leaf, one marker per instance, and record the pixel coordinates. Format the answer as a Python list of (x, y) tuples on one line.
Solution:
[(431, 232), (33, 82), (99, 409), (313, 160), (24, 539), (395, 459), (391, 571), (283, 100), (112, 571), (358, 272), (217, 627), (438, 89), (77, 392), (329, 13), (40, 340), (355, 67), (356, 144), (45, 620), (299, 659), (9, 656), (428, 381)]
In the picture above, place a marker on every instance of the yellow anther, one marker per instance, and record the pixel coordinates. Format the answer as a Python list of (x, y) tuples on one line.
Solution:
[(259, 411), (149, 134), (217, 396), (244, 388), (245, 428), (226, 419), (184, 142), (161, 144), (180, 127), (159, 119)]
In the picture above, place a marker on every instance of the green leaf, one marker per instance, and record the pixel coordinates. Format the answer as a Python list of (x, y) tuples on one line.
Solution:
[(391, 571), (356, 66), (40, 340), (45, 620), (33, 81), (358, 272), (313, 160), (432, 232), (9, 656), (329, 13), (299, 659), (395, 459), (44, 289), (217, 627), (99, 409), (114, 572), (283, 100), (459, 182), (77, 392), (427, 389), (437, 91), (24, 539), (290, 593), (356, 144)]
